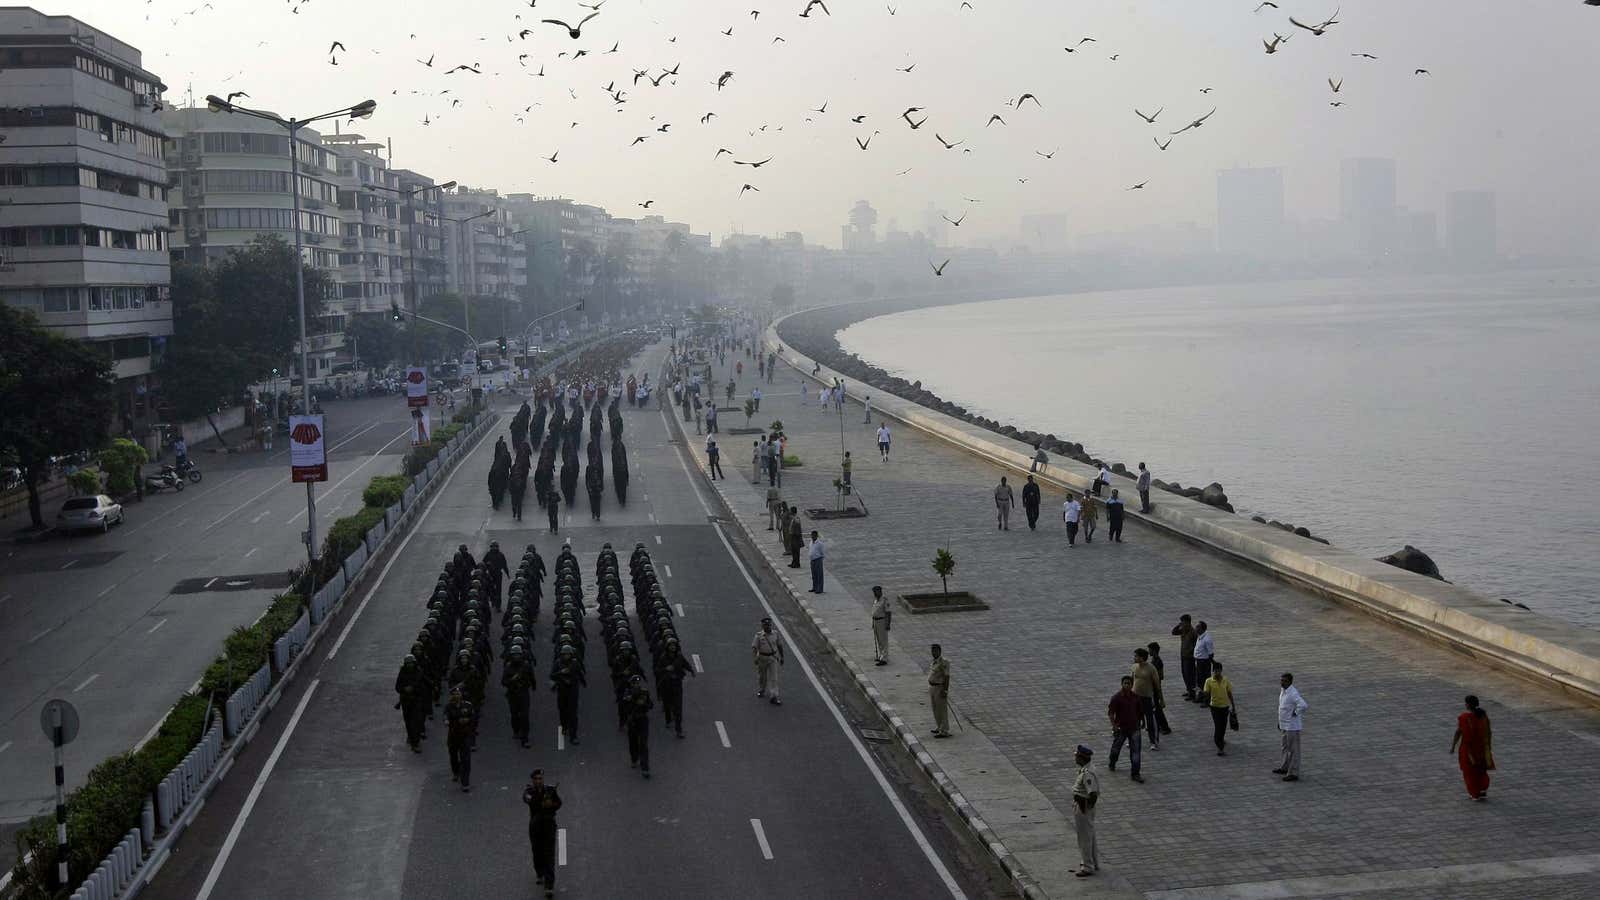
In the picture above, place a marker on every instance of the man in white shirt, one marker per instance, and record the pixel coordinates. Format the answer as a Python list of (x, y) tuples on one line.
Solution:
[(1102, 480), (755, 398), (1204, 650), (1291, 713), (1070, 511), (818, 551), (867, 405), (883, 441)]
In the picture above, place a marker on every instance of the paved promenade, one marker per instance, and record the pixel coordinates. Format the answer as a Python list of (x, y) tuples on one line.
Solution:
[(1380, 809)]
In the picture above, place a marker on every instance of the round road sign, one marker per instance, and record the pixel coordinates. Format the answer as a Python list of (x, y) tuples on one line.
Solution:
[(69, 720)]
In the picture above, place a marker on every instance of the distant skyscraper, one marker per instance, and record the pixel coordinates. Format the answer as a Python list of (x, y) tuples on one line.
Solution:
[(859, 235), (1249, 211), (1470, 226), (1367, 203), (934, 226)]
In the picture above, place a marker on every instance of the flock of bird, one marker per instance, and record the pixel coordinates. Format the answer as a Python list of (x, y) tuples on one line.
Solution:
[(591, 19)]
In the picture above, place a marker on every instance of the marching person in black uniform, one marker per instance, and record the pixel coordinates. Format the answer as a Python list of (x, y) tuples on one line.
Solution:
[(518, 682), (459, 715), (671, 668), (494, 562), (543, 803), (567, 677), (414, 690), (639, 705), (552, 505)]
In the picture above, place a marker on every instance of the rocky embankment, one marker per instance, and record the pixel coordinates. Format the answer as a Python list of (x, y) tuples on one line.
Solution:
[(814, 333)]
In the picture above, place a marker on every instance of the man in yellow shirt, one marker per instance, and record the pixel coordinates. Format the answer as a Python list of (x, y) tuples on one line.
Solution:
[(1220, 689), (1146, 682)]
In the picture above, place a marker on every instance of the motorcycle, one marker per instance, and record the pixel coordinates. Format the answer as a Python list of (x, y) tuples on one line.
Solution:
[(190, 471), (167, 478)]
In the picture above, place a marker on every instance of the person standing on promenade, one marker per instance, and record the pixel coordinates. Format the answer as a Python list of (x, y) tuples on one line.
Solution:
[(1030, 503), (767, 651), (1114, 512), (714, 459), (1003, 498), (1291, 712), (795, 537), (1146, 681), (1161, 678), (881, 614), (1041, 460), (1070, 511), (818, 551), (755, 398), (758, 459), (543, 803), (1184, 631), (1085, 794), (1205, 651), (939, 692), (1143, 484), (844, 468), (866, 405), (1223, 716), (883, 441), (1123, 710), (803, 392), (1089, 518), (1102, 480), (775, 461), (1474, 748)]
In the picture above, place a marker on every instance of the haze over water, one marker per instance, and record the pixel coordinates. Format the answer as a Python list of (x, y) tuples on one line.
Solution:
[(1454, 413)]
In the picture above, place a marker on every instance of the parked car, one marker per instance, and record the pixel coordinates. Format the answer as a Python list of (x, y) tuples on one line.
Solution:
[(82, 513)]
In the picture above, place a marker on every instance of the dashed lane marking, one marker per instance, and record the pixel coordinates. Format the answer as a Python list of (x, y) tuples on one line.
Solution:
[(156, 627), (262, 515), (561, 846), (4, 747), (761, 838), (86, 682), (69, 564), (680, 609), (109, 589), (722, 734), (252, 552), (667, 569), (697, 667), (658, 540)]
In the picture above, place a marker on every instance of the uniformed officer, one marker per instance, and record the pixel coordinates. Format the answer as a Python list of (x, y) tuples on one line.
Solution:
[(412, 686), (518, 682), (459, 716), (639, 705), (552, 505), (671, 668), (543, 803), (939, 692), (567, 677), (881, 614), (767, 651), (494, 563), (1085, 794)]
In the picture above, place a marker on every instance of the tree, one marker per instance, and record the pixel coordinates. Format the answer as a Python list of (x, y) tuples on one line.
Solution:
[(122, 460), (56, 396), (376, 337), (234, 320), (943, 565)]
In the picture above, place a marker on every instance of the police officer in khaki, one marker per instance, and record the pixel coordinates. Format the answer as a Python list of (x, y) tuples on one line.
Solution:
[(767, 651), (939, 692), (880, 626), (1085, 794)]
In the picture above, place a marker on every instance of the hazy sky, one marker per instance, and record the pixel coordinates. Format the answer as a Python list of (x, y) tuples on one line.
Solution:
[(1510, 105)]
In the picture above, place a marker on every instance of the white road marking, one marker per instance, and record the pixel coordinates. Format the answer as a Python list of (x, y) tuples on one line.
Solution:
[(680, 609), (652, 518), (109, 589), (161, 557), (255, 794), (761, 838), (668, 569), (561, 846), (722, 733), (264, 513), (561, 738), (44, 632), (398, 553), (5, 598), (4, 747), (213, 580), (277, 484), (252, 552), (156, 627), (647, 498), (695, 658), (69, 564), (86, 682), (658, 540)]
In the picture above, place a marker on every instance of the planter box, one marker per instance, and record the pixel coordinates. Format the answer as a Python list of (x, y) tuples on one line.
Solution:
[(849, 512), (744, 431), (955, 601)]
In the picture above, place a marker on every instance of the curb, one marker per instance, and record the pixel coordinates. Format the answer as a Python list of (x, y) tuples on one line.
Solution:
[(1021, 879)]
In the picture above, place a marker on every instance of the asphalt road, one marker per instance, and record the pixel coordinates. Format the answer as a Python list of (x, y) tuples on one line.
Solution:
[(120, 624), (782, 801)]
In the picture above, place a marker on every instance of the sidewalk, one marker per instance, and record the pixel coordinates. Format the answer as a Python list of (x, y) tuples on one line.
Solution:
[(1381, 801)]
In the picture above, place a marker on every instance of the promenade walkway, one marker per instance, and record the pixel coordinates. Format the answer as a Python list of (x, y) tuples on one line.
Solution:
[(1380, 810)]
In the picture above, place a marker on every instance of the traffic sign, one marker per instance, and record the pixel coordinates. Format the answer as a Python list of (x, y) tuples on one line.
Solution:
[(308, 457), (69, 720)]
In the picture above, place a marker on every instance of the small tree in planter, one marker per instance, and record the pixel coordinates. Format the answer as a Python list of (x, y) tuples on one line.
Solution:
[(943, 565), (120, 460), (776, 427), (749, 411), (84, 482)]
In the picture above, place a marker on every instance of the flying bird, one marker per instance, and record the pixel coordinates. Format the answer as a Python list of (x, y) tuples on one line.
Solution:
[(429, 62), (593, 6), (646, 204), (1335, 84), (1029, 97), (906, 69), (823, 108), (1138, 187), (1266, 3), (663, 128), (993, 119), (955, 222), (749, 187), (1426, 72), (230, 97), (753, 165), (1050, 155), (472, 68), (1150, 119), (706, 118), (806, 13), (778, 39), (947, 144), (729, 32), (552, 157), (1161, 145), (573, 32), (1206, 90), (637, 141), (720, 151), (1197, 122), (907, 114), (335, 46), (755, 13), (1318, 29), (1276, 40), (723, 79), (858, 119), (939, 269), (918, 124), (1113, 57), (1364, 55), (863, 144), (1336, 103)]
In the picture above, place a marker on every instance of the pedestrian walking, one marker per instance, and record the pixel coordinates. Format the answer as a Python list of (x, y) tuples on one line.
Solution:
[(774, 462), (1102, 479), (1126, 719), (552, 506), (711, 418), (1071, 511), (714, 459), (939, 692), (638, 704), (460, 722), (1473, 745), (1223, 715), (1291, 720), (1185, 633), (767, 652), (1030, 503), (883, 441), (697, 413), (1161, 679), (1143, 485), (1114, 513), (543, 803), (1003, 498), (881, 614), (755, 398), (1204, 656), (1088, 518), (758, 460), (1146, 680), (1085, 794), (866, 404), (818, 551), (803, 390)]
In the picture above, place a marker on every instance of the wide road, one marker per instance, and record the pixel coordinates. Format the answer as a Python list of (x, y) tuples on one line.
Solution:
[(120, 624), (781, 801)]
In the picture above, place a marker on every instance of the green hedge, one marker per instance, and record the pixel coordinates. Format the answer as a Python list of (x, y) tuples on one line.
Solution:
[(384, 491), (248, 648), (344, 537), (419, 457)]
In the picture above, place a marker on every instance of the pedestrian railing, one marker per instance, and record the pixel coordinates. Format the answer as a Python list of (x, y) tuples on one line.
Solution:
[(118, 869), (182, 784), (409, 496), (240, 707), (375, 537), (391, 516), (354, 562), (287, 647), (433, 467)]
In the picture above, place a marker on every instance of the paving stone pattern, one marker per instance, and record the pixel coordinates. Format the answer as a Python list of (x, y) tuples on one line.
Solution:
[(1379, 788)]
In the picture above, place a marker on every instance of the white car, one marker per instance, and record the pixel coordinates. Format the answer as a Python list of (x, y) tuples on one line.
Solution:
[(81, 513)]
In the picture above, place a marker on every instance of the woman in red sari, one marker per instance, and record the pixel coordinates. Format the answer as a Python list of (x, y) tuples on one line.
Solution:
[(1474, 749)]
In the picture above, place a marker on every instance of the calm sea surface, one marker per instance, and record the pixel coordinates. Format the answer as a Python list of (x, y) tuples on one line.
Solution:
[(1458, 414)]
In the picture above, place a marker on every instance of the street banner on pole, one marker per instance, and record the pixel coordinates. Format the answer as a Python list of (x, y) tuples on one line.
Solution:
[(421, 427), (416, 386), (308, 456)]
